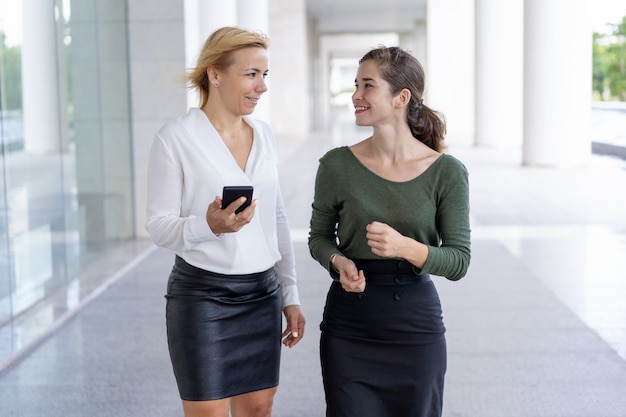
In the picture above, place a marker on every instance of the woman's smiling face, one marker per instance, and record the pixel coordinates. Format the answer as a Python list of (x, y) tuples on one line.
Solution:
[(372, 99), (243, 82)]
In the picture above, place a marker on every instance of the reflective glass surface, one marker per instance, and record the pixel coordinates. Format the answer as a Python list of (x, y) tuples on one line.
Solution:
[(65, 160)]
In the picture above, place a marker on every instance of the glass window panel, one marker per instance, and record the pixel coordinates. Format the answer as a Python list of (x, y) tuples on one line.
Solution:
[(65, 161)]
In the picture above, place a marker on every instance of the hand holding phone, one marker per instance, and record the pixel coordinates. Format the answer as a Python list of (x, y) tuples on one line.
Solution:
[(231, 193)]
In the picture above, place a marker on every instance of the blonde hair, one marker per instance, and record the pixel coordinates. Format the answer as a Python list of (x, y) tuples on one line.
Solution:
[(217, 53)]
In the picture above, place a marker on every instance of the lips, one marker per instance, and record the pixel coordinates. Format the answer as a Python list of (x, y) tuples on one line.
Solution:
[(360, 109)]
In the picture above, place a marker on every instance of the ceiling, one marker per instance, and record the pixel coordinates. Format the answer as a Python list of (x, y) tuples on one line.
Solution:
[(341, 16)]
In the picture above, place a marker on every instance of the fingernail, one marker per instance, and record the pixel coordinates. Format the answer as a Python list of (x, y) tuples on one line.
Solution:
[(295, 334)]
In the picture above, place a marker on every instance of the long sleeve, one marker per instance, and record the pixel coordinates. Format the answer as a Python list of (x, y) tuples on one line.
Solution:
[(166, 223), (286, 266), (324, 218), (451, 258)]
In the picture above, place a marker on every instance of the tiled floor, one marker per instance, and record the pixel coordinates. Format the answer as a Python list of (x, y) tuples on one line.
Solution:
[(536, 329)]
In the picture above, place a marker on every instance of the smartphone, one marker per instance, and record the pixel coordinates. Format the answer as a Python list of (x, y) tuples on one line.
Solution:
[(231, 193)]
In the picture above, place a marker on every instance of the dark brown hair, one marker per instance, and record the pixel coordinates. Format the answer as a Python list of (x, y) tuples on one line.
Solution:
[(403, 71)]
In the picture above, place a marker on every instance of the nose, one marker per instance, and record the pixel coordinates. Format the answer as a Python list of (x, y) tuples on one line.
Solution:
[(262, 85), (356, 95)]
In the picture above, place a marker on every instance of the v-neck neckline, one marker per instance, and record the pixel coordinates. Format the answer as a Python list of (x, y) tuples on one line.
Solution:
[(224, 147)]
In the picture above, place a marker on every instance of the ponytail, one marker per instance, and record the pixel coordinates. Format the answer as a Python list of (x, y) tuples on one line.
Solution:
[(427, 125)]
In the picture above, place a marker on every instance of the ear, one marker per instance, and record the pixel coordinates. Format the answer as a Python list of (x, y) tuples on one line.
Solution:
[(213, 75), (403, 98)]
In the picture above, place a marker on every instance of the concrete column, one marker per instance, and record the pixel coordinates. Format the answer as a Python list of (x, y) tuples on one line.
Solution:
[(315, 70), (289, 96), (450, 65), (157, 62), (415, 41), (42, 123), (498, 72), (211, 15), (201, 18), (102, 127), (557, 82), (254, 15)]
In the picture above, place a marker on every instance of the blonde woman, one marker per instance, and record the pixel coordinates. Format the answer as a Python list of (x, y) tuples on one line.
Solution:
[(234, 271)]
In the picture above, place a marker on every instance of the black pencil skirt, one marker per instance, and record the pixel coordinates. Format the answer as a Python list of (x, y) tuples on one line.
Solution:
[(383, 351), (223, 331)]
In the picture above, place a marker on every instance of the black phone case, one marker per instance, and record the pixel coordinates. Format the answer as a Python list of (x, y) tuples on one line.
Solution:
[(231, 193)]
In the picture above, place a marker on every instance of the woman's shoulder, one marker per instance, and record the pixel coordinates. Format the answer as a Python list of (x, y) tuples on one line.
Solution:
[(181, 125), (336, 155), (335, 163), (448, 163)]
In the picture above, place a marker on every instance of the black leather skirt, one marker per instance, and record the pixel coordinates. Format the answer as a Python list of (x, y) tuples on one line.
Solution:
[(223, 331)]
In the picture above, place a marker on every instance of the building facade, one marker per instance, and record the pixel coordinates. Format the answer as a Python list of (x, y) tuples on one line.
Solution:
[(85, 84)]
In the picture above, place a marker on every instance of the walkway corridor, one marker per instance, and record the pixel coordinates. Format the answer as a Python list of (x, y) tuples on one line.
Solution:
[(536, 329)]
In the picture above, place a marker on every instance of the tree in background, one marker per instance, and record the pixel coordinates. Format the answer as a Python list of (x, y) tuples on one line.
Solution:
[(11, 73), (609, 63)]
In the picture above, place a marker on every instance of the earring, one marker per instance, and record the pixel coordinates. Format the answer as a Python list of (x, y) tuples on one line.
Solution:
[(216, 85)]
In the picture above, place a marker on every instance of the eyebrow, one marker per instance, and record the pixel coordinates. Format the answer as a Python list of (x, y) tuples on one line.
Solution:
[(255, 70), (365, 79)]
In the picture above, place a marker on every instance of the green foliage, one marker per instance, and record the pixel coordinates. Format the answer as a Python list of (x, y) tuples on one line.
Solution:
[(609, 63), (11, 73)]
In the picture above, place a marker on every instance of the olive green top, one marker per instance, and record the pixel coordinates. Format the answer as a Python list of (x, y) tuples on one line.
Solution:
[(432, 208)]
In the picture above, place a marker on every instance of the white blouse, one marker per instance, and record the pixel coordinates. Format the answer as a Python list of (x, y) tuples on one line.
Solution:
[(188, 166)]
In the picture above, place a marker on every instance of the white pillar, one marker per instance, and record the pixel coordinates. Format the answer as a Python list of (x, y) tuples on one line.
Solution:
[(289, 96), (450, 65), (102, 126), (415, 41), (254, 15), (498, 72), (203, 17), (156, 62), (557, 82), (40, 92)]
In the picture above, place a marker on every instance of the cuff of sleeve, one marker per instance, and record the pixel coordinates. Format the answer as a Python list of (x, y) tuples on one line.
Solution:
[(200, 230), (290, 295), (429, 261)]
